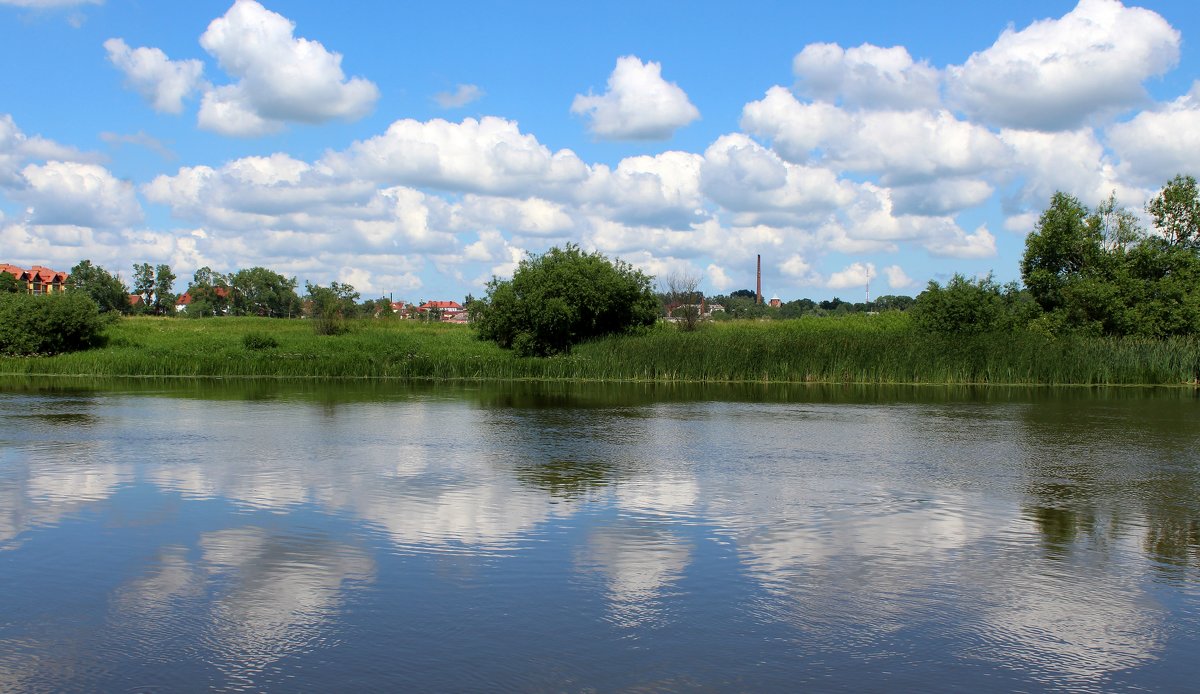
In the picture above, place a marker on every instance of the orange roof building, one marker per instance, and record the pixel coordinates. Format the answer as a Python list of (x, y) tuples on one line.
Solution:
[(38, 279)]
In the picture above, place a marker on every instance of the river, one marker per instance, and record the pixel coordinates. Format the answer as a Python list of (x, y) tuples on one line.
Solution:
[(266, 536)]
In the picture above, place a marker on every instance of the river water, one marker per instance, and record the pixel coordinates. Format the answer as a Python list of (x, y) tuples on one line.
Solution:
[(255, 536)]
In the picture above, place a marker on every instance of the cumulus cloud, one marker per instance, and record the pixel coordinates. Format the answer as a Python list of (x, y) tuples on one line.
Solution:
[(865, 76), (853, 275), (942, 197), (718, 277), (897, 278), (745, 177), (797, 268), (461, 96), (280, 78), (900, 146), (78, 194), (490, 155), (1057, 73), (1157, 144), (661, 189), (18, 149), (959, 244), (639, 104), (162, 82)]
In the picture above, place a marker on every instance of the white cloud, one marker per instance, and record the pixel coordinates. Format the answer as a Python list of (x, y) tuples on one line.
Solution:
[(797, 268), (1155, 145), (489, 155), (900, 146), (162, 82), (897, 278), (79, 194), (662, 189), (866, 76), (639, 104), (1057, 73), (461, 96), (941, 197), (747, 178), (281, 78), (717, 277), (854, 275), (18, 149), (528, 216), (1073, 162), (959, 244)]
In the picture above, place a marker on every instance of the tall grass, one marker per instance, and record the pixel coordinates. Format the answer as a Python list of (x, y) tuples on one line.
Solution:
[(883, 349)]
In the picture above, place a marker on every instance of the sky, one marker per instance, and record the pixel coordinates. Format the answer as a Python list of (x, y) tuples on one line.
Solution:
[(416, 150)]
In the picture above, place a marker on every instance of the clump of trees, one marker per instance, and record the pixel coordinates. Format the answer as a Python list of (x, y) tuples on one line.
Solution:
[(1091, 271), (1098, 271), (49, 323), (562, 297)]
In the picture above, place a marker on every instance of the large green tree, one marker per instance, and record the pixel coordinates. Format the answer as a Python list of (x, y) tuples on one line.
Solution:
[(1176, 212), (154, 285), (209, 292), (109, 292), (258, 291), (562, 297)]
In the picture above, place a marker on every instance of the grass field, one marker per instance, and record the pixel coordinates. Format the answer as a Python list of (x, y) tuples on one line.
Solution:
[(880, 349)]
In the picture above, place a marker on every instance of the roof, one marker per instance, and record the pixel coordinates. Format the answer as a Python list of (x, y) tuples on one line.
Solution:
[(37, 273), (441, 304)]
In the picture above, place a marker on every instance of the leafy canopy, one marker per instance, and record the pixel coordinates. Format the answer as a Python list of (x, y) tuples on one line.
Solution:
[(562, 297)]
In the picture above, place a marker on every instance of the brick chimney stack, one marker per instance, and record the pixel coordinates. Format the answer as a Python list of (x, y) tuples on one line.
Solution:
[(758, 290)]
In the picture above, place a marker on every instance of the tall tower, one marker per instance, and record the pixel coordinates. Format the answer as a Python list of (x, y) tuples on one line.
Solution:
[(758, 289)]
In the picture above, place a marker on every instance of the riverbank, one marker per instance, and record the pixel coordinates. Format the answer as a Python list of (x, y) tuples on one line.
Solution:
[(854, 349)]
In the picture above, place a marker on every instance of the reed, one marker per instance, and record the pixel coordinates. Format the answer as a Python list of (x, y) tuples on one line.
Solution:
[(883, 349)]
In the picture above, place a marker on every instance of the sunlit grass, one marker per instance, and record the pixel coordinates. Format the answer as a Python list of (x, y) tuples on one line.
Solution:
[(855, 349)]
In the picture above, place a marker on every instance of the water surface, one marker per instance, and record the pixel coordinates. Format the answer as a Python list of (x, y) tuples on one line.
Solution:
[(265, 536)]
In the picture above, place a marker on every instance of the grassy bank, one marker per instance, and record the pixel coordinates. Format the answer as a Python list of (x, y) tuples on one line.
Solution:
[(854, 349)]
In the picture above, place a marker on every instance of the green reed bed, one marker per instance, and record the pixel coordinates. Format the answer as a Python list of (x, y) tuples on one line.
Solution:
[(854, 349)]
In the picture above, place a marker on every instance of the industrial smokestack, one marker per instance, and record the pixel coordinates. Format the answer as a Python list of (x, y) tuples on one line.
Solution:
[(758, 289)]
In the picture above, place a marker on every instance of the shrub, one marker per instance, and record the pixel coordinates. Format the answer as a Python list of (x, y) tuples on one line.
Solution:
[(562, 297), (49, 324), (966, 306), (258, 341)]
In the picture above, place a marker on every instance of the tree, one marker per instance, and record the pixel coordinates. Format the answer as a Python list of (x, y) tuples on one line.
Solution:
[(49, 323), (966, 306), (164, 282), (9, 284), (258, 291), (562, 297), (109, 292), (681, 294), (154, 285), (209, 292), (1176, 212), (1062, 245), (330, 306), (143, 284)]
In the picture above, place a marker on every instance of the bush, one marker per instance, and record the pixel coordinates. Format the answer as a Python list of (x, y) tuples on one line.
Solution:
[(49, 324), (258, 341), (562, 297), (965, 307)]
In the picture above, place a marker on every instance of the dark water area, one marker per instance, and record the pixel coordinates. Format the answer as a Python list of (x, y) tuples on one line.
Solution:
[(274, 536)]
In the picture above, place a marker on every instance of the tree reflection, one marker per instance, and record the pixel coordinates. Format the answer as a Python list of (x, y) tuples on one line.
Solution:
[(566, 479)]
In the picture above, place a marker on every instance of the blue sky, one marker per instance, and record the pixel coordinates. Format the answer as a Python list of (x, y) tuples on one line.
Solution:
[(417, 149)]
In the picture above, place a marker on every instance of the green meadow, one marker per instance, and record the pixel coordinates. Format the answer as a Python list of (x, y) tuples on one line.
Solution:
[(870, 349)]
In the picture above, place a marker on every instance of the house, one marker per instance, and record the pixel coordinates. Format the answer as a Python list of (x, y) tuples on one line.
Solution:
[(445, 311), (775, 302), (185, 299), (38, 279)]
